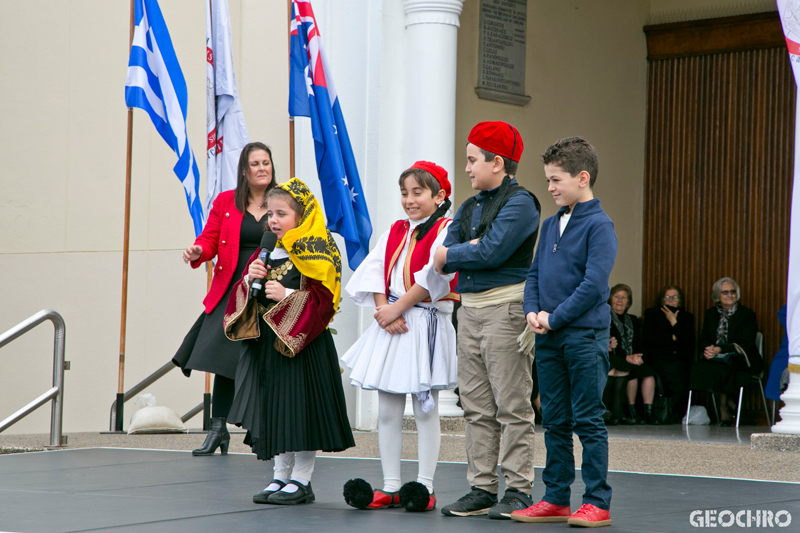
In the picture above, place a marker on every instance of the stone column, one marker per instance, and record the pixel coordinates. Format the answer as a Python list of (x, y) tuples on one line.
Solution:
[(790, 413), (430, 101), (430, 83)]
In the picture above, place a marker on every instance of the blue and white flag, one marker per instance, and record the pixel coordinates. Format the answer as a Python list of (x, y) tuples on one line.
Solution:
[(155, 83), (312, 94)]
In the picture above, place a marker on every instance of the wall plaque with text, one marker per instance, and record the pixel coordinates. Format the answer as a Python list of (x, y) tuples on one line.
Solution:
[(501, 59)]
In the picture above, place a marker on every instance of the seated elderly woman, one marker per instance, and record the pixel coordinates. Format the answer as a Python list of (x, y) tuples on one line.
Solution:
[(728, 343), (669, 343), (627, 367)]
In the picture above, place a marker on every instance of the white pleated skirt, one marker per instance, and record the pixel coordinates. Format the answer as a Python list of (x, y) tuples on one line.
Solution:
[(400, 364)]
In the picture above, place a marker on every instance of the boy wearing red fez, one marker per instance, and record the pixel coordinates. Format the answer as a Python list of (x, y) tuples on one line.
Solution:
[(565, 305), (410, 348), (490, 244)]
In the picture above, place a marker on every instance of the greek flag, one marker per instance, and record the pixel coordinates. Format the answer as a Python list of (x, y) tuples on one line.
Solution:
[(155, 83)]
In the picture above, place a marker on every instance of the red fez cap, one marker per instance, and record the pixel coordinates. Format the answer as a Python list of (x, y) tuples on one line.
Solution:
[(498, 137), (437, 172)]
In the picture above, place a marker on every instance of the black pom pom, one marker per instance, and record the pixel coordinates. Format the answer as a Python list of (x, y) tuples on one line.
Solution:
[(414, 496), (357, 493)]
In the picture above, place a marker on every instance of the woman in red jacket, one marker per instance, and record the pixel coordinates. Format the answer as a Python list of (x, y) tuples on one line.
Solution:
[(232, 234)]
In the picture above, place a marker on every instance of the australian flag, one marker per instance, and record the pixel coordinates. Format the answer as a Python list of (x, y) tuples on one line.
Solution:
[(312, 94)]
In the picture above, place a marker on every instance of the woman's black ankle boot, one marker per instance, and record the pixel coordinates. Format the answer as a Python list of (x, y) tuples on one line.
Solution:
[(619, 384), (649, 417), (634, 416), (218, 436)]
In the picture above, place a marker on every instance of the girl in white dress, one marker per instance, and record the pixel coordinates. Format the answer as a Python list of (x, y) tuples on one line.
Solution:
[(411, 346)]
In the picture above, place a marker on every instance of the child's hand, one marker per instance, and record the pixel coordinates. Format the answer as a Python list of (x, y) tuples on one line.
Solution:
[(274, 291), (257, 270), (544, 319), (398, 327), (474, 241), (440, 259), (533, 323), (612, 344), (386, 314)]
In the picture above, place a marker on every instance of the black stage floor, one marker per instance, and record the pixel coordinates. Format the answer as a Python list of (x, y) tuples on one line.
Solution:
[(102, 489)]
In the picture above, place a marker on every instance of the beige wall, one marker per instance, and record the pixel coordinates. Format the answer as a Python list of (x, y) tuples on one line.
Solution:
[(586, 75), (62, 195)]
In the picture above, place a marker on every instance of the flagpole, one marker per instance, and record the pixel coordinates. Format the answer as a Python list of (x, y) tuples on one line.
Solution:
[(207, 393), (291, 119), (125, 253), (209, 273)]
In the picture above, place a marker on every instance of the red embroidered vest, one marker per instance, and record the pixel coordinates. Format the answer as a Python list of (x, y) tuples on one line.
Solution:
[(417, 257)]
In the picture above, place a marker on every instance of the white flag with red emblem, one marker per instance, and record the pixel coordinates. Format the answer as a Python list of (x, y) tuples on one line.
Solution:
[(227, 133)]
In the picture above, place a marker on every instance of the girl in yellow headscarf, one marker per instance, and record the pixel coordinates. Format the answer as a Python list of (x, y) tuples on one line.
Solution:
[(289, 393)]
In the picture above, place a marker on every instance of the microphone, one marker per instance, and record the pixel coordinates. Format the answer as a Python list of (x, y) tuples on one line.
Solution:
[(268, 242)]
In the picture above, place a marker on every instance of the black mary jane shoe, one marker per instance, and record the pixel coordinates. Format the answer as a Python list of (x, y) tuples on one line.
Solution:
[(303, 494), (726, 422), (264, 495)]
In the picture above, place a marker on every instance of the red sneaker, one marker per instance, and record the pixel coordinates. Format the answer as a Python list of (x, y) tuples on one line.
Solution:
[(431, 503), (542, 512), (590, 516), (384, 500)]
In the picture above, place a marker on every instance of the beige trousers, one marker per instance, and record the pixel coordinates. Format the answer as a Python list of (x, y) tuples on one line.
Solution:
[(495, 383)]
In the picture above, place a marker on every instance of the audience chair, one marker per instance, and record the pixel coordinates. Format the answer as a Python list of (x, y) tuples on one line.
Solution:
[(755, 379)]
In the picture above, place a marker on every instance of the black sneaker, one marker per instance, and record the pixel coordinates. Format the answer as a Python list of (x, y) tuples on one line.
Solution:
[(513, 500), (475, 503)]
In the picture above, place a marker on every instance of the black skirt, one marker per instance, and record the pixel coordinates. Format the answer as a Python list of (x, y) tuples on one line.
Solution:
[(719, 377), (634, 371), (206, 348), (290, 404)]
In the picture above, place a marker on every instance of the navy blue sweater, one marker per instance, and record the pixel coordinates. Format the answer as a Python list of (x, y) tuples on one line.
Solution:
[(569, 274)]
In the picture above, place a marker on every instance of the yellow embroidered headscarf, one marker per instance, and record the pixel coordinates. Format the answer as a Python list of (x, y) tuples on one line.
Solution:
[(310, 244)]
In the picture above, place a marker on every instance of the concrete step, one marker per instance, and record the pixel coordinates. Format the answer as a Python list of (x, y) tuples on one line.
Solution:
[(451, 425)]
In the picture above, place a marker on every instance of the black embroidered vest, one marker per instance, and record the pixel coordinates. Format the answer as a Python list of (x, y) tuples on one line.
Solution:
[(523, 256)]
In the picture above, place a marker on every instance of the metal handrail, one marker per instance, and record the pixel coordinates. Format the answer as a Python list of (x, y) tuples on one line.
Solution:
[(56, 394), (197, 409), (136, 389), (139, 387)]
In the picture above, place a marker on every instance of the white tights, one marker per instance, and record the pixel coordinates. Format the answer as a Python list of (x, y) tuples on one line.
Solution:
[(390, 438), (293, 465)]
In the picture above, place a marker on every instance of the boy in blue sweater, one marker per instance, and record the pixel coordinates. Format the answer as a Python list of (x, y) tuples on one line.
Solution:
[(565, 305)]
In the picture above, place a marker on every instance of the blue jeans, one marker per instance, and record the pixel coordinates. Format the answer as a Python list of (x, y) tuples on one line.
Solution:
[(573, 368)]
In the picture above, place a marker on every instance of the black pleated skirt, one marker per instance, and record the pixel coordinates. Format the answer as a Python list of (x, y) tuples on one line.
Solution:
[(290, 404)]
